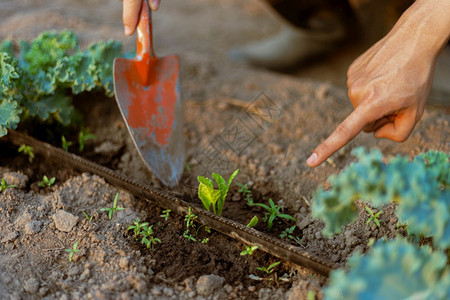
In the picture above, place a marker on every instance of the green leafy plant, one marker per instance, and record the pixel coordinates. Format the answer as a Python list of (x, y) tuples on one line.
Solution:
[(113, 210), (205, 241), (28, 151), (273, 212), (189, 218), (310, 295), (393, 269), (419, 187), (212, 197), (249, 250), (65, 144), (147, 237), (165, 214), (246, 192), (72, 251), (289, 233), (137, 227), (41, 82), (189, 236), (269, 269), (373, 217), (4, 186), (83, 136), (46, 182), (253, 222)]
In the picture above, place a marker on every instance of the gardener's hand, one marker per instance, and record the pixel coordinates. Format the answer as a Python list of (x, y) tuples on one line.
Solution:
[(131, 9), (388, 85)]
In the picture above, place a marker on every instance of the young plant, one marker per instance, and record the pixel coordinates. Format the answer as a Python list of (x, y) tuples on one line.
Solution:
[(249, 250), (165, 214), (72, 251), (83, 136), (246, 192), (205, 241), (189, 236), (273, 212), (46, 182), (253, 222), (270, 268), (137, 227), (189, 218), (88, 218), (373, 216), (289, 233), (28, 151), (212, 197), (113, 210), (4, 186), (148, 239), (65, 144)]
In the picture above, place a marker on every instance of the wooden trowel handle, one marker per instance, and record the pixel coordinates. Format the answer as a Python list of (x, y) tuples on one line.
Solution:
[(144, 43)]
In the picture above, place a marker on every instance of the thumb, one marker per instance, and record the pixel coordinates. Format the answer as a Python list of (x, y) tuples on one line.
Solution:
[(343, 134), (399, 129)]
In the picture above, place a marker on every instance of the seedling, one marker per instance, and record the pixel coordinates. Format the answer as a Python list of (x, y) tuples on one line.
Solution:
[(137, 227), (72, 251), (83, 136), (89, 218), (253, 222), (27, 150), (187, 167), (148, 239), (65, 144), (373, 216), (310, 295), (244, 190), (273, 211), (270, 268), (205, 241), (4, 186), (114, 208), (249, 250), (212, 197), (165, 214), (189, 218), (189, 236), (288, 232), (46, 182)]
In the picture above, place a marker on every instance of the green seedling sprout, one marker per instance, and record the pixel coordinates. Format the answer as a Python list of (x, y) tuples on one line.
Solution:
[(249, 250), (137, 227), (373, 216), (65, 144), (253, 222), (270, 268), (27, 150), (165, 214), (148, 239), (89, 218), (212, 197), (205, 241), (4, 186), (273, 212), (112, 210), (72, 251), (189, 236), (288, 232), (46, 182), (83, 136), (187, 167), (310, 295), (246, 192), (189, 218)]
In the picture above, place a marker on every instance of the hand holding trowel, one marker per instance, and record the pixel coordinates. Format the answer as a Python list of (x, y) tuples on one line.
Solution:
[(147, 91)]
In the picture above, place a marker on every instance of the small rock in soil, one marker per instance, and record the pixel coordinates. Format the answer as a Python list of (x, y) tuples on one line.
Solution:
[(32, 227), (206, 284), (64, 221), (10, 236), (16, 178), (31, 285)]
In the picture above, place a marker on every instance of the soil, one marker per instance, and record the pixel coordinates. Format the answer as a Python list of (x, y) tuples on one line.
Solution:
[(236, 117)]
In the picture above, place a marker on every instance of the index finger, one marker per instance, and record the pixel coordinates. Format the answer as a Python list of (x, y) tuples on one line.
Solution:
[(344, 133)]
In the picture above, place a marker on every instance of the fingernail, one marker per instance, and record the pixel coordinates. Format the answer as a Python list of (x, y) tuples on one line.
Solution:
[(128, 30), (154, 4), (312, 159)]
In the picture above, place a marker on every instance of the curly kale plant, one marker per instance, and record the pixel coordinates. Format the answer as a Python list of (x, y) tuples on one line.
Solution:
[(419, 187), (40, 82), (393, 269)]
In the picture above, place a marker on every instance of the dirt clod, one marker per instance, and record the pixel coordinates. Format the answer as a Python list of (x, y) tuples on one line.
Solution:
[(64, 221), (207, 284)]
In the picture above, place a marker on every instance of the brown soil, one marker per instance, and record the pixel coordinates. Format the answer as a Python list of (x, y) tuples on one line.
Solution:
[(223, 132)]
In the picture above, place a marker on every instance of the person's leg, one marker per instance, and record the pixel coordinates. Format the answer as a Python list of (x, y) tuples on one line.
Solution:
[(311, 28)]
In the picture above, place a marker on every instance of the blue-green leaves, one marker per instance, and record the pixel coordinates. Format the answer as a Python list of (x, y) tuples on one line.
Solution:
[(393, 269), (212, 197)]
